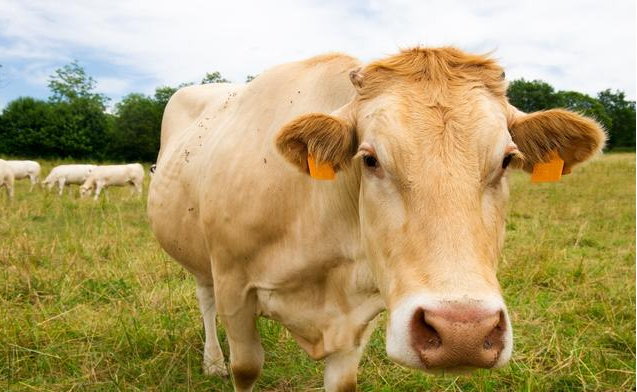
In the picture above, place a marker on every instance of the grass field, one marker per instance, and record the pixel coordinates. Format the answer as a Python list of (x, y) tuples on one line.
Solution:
[(89, 302)]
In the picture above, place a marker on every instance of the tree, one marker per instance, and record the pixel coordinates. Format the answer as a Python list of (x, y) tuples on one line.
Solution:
[(137, 127), (78, 125), (531, 96), (163, 94), (214, 77), (250, 78), (78, 129), (622, 114), (71, 82), (24, 127), (585, 105)]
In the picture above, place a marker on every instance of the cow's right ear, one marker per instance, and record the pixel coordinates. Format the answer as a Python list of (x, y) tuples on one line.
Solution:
[(329, 139)]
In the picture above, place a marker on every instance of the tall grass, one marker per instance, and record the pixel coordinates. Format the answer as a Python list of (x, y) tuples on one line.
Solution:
[(89, 302)]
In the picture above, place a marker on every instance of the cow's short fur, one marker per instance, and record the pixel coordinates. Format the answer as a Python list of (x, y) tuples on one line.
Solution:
[(232, 201)]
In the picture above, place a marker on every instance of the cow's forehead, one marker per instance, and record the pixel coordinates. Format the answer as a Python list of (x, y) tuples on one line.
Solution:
[(405, 128)]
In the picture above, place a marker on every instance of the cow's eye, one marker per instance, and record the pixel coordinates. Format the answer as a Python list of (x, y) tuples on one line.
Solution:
[(370, 161), (507, 160)]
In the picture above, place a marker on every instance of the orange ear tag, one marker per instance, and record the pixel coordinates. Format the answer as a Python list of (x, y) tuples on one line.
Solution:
[(550, 171), (324, 171)]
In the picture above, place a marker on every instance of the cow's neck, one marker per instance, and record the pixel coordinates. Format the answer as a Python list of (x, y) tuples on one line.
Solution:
[(336, 294)]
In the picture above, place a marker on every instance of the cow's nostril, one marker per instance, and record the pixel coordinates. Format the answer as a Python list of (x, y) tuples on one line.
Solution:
[(424, 334), (497, 333)]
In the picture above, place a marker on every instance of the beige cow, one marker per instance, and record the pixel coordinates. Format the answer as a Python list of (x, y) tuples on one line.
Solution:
[(66, 175), (6, 178), (413, 223), (26, 169), (101, 177)]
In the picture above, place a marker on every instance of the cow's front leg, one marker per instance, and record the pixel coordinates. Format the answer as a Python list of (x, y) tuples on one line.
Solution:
[(341, 367), (213, 363), (246, 352), (61, 183), (98, 190), (34, 180)]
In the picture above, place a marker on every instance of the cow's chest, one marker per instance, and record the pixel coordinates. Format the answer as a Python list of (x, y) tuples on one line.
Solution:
[(324, 315)]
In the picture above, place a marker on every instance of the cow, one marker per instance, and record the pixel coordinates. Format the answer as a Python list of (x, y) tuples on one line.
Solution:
[(66, 175), (6, 178), (26, 169), (101, 177), (420, 144)]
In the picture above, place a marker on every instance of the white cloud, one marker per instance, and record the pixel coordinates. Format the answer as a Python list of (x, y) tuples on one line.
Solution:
[(112, 86), (577, 45)]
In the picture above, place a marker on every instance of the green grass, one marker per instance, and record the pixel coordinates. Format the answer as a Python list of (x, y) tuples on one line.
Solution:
[(89, 302)]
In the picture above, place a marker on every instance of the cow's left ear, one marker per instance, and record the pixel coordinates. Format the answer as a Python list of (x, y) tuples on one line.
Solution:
[(575, 138), (328, 138)]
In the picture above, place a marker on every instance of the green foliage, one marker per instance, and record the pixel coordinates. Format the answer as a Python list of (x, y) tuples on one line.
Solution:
[(71, 82), (137, 127), (77, 128), (72, 123), (250, 78), (163, 94), (24, 125), (622, 114), (214, 77), (531, 96), (611, 110), (585, 105)]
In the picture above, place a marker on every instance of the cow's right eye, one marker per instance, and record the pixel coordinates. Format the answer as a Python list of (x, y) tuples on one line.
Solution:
[(507, 160), (370, 161)]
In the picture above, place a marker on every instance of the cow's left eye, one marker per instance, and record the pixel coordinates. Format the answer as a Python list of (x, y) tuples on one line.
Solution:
[(507, 160), (370, 161)]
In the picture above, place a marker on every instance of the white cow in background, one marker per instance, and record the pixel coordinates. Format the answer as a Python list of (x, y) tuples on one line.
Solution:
[(67, 175), (24, 169), (119, 175), (6, 177)]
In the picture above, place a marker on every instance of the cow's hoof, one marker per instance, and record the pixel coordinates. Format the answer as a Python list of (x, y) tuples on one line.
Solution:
[(215, 370)]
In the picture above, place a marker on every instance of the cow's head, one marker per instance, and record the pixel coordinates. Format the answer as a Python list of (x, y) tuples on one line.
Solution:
[(434, 136)]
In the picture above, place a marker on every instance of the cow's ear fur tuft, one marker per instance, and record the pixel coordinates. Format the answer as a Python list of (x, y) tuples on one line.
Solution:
[(328, 138), (576, 138)]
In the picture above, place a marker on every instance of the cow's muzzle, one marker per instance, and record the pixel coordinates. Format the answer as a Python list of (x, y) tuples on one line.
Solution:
[(450, 335), (458, 337)]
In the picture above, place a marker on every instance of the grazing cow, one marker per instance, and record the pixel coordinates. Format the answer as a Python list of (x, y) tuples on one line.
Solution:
[(24, 169), (413, 222), (67, 175), (6, 177), (101, 177)]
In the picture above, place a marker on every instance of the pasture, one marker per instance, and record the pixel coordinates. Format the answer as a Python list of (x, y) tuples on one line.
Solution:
[(89, 302)]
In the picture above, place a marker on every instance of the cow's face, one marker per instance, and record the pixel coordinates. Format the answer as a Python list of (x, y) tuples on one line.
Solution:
[(85, 190), (434, 137)]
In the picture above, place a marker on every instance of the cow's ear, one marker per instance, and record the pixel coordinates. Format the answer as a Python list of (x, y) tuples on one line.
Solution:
[(575, 138), (329, 139)]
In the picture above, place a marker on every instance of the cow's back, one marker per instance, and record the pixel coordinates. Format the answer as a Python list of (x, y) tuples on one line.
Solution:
[(220, 186)]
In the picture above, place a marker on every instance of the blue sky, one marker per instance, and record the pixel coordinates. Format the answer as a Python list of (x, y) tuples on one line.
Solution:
[(135, 46)]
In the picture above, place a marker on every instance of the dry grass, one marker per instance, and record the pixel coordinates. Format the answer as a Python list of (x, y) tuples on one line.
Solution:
[(88, 301)]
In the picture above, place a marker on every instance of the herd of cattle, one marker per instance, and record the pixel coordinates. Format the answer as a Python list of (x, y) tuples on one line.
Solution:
[(91, 178)]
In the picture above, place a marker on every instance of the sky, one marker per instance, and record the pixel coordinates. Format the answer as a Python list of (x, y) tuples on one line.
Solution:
[(137, 45)]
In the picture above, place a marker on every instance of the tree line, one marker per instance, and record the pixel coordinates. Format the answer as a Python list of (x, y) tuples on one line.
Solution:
[(73, 122)]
